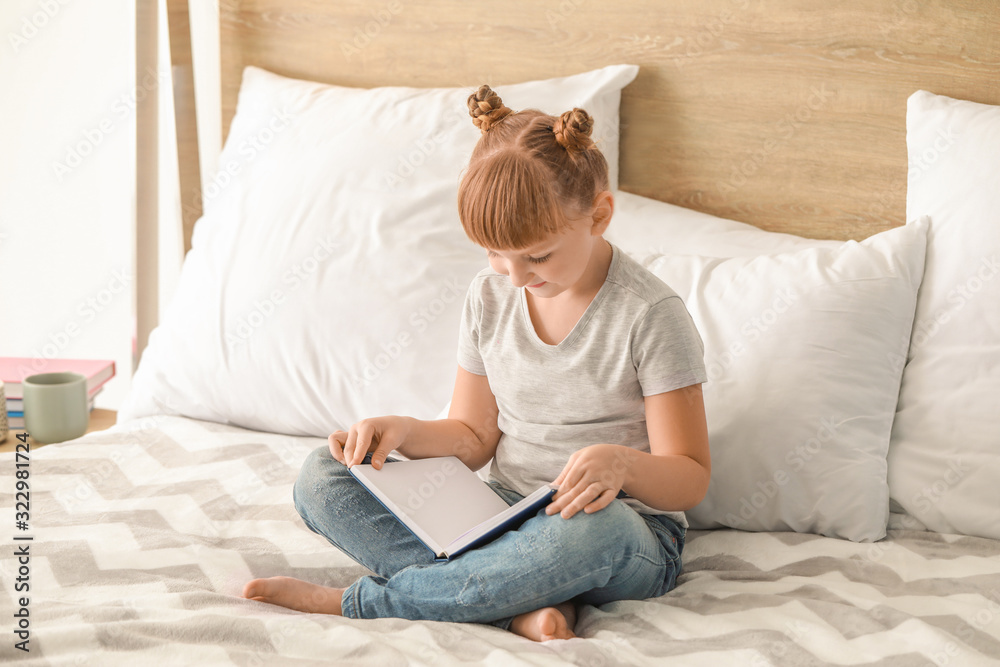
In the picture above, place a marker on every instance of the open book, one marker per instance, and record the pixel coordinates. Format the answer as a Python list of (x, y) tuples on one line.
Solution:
[(444, 504)]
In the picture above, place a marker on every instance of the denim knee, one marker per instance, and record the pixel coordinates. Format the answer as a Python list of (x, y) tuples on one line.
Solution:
[(312, 487), (605, 531)]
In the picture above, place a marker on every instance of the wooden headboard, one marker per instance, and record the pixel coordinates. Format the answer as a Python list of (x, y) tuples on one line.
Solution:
[(787, 114)]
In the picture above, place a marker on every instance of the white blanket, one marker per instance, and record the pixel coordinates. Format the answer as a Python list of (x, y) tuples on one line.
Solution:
[(144, 535)]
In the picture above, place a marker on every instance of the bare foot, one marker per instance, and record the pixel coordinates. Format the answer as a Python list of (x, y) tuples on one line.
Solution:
[(546, 623), (295, 594)]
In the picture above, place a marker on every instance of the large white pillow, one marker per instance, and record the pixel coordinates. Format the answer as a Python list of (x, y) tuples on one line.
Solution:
[(944, 458), (804, 352), (643, 226), (326, 278)]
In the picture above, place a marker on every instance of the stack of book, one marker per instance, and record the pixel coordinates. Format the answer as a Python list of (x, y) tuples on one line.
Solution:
[(13, 370)]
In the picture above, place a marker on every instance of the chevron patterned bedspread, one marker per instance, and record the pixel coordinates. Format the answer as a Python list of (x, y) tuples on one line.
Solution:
[(144, 535)]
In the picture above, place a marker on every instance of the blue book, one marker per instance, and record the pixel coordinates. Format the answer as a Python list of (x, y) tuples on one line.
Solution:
[(446, 505)]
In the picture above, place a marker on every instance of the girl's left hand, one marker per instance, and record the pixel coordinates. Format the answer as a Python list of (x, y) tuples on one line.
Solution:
[(591, 479)]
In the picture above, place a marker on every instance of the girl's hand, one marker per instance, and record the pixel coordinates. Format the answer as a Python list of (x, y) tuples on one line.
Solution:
[(378, 435), (591, 479)]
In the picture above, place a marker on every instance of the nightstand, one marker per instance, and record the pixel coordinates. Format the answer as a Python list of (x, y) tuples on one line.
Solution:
[(99, 420)]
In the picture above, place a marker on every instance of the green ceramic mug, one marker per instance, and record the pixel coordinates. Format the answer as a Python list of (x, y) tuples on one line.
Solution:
[(55, 406)]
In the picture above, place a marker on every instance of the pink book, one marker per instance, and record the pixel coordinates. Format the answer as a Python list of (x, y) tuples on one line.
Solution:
[(14, 369)]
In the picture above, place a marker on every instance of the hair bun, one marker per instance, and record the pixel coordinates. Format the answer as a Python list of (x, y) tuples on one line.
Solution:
[(486, 108), (572, 130)]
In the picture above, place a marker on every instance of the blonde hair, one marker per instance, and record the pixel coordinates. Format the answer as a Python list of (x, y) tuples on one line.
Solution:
[(528, 173)]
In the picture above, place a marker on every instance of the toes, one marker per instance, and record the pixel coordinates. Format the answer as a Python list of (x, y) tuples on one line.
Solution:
[(253, 589), (263, 590), (554, 625), (320, 597), (563, 621), (548, 624)]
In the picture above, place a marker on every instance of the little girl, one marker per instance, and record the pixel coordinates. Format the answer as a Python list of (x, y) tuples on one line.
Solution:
[(575, 366)]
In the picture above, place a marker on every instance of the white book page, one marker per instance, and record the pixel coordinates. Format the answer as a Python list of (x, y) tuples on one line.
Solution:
[(476, 532), (440, 495)]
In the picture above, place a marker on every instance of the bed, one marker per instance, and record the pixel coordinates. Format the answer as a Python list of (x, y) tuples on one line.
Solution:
[(820, 185)]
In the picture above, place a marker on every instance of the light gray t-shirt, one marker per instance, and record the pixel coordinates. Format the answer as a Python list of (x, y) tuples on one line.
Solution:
[(635, 339)]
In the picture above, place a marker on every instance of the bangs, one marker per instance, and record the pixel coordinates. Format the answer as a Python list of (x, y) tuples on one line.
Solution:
[(506, 202)]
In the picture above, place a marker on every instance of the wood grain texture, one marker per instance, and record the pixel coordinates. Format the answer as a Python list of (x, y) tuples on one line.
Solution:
[(147, 220), (788, 115), (185, 117)]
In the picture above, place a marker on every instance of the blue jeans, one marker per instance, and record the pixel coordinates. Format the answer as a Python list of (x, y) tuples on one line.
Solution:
[(613, 554)]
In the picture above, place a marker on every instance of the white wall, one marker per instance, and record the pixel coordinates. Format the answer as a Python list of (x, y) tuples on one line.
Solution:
[(67, 205), (66, 181)]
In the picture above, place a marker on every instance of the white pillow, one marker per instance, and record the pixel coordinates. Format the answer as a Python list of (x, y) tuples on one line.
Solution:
[(326, 279), (643, 226), (804, 352), (944, 458)]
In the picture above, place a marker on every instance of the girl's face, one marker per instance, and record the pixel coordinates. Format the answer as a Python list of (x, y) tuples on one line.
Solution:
[(556, 264)]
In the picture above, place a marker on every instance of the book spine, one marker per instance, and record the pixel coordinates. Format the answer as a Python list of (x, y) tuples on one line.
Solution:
[(512, 522), (15, 418)]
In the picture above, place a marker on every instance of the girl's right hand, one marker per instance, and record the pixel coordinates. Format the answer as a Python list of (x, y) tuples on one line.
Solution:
[(378, 435)]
